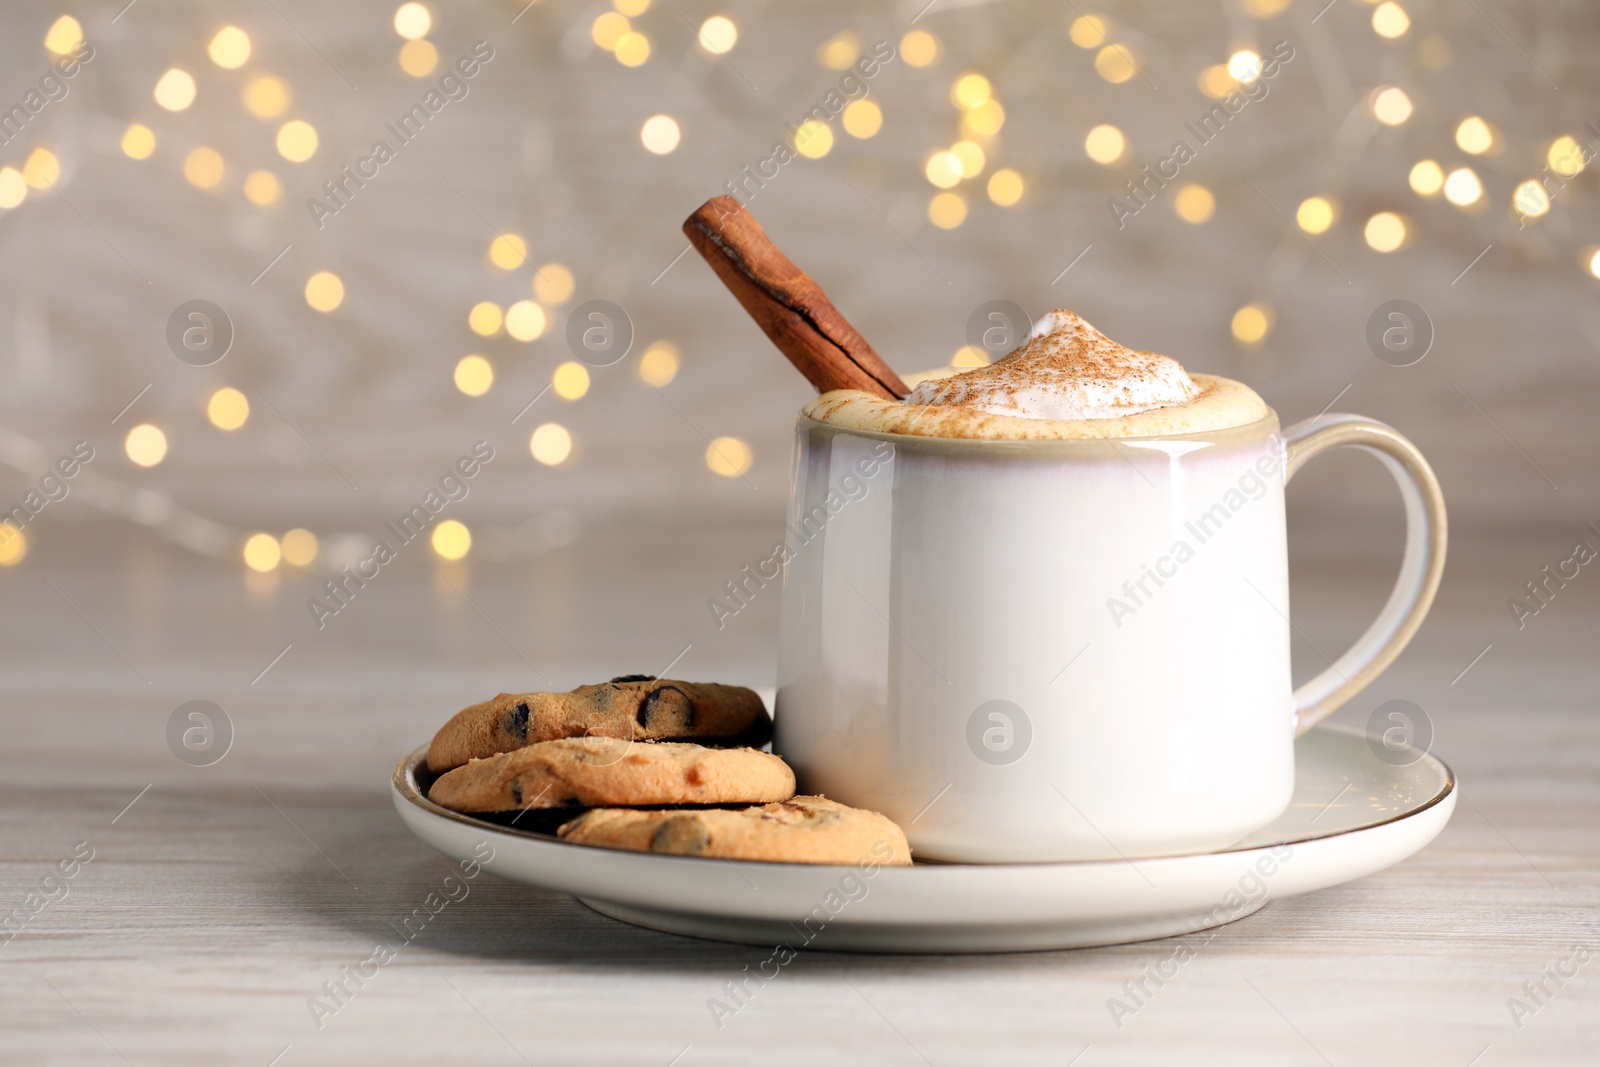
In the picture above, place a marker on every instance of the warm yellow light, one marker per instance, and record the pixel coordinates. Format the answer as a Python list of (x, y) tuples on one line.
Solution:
[(1115, 63), (41, 169), (608, 29), (728, 456), (267, 97), (839, 51), (138, 141), (1390, 20), (968, 356), (526, 320), (947, 210), (919, 48), (64, 35), (984, 120), (229, 48), (418, 58), (261, 187), (474, 375), (1244, 66), (632, 49), (13, 545), (658, 365), (262, 552), (862, 119), (718, 35), (570, 380), (324, 291), (204, 168), (1593, 265), (1530, 200), (175, 89), (1252, 323), (550, 444), (553, 284), (1474, 136), (1462, 187), (1194, 204), (1088, 31), (145, 444), (971, 158), (299, 547), (660, 134), (451, 540), (485, 318), (1385, 232), (1005, 187), (297, 140), (814, 139), (1264, 9), (412, 21), (970, 91), (631, 8), (943, 169), (1315, 214), (228, 408), (1216, 82), (1105, 144), (1565, 157), (1427, 178), (508, 251), (1391, 106), (13, 187)]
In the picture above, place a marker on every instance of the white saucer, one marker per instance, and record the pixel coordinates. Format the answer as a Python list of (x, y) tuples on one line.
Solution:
[(1352, 814)]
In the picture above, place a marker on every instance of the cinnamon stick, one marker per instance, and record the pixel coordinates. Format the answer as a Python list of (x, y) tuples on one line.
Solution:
[(786, 303)]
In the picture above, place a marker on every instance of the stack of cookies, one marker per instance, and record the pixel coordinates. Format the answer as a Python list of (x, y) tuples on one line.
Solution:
[(662, 766)]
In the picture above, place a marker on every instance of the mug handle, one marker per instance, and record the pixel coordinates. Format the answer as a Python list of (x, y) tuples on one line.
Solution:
[(1420, 568)]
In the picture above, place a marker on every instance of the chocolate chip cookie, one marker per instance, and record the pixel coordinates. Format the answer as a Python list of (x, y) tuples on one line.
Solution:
[(594, 771), (634, 707), (797, 830)]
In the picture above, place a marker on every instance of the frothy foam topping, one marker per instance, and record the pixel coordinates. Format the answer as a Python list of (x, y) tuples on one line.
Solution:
[(1066, 370)]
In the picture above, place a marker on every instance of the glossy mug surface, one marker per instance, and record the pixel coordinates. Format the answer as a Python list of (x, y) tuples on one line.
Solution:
[(1056, 650)]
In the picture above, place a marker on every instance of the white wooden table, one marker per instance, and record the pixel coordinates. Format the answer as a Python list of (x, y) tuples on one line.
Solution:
[(220, 899)]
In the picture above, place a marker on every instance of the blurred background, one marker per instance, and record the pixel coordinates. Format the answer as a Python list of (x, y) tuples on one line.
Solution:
[(370, 314)]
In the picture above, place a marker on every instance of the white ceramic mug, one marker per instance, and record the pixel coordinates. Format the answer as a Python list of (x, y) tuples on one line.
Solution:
[(1059, 650)]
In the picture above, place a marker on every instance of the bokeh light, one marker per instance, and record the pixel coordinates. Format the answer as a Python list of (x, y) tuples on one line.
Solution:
[(728, 456), (1088, 31), (228, 409), (919, 48), (1251, 324), (1592, 262), (1315, 214), (324, 291), (1244, 66), (608, 29), (1474, 136), (485, 318), (943, 169), (419, 58), (553, 284), (984, 120), (1105, 144), (13, 545), (570, 380), (175, 89), (861, 119), (297, 140), (412, 21), (971, 158), (526, 320), (1427, 178), (145, 445), (1565, 157), (550, 444), (204, 168), (631, 8), (299, 547), (1391, 106), (261, 187), (658, 364), (633, 49), (1194, 204), (718, 35), (814, 139), (63, 36), (267, 97), (1462, 187), (41, 169), (138, 141), (1390, 20), (508, 251), (1530, 200), (1385, 232), (1005, 187), (13, 187), (230, 48), (451, 540), (1115, 63), (947, 210), (1216, 82), (970, 91), (474, 375), (262, 552), (660, 134)]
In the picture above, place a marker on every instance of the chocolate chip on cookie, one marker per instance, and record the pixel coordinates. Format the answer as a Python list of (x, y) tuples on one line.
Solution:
[(634, 707), (593, 771), (802, 829)]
